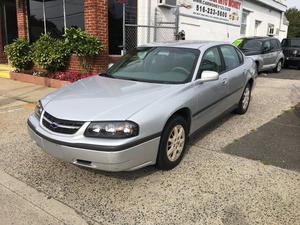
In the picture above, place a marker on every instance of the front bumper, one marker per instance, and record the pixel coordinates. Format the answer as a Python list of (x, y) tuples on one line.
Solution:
[(127, 159), (293, 59)]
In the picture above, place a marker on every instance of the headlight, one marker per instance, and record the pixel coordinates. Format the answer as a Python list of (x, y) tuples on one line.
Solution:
[(123, 129), (295, 52), (38, 109)]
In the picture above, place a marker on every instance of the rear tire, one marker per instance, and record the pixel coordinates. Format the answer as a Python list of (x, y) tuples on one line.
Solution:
[(173, 143), (245, 100), (257, 67)]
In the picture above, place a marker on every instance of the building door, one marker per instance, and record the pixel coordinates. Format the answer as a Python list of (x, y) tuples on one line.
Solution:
[(8, 18)]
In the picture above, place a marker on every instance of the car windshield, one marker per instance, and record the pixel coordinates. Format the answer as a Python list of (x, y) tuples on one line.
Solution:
[(156, 65), (251, 45), (291, 43)]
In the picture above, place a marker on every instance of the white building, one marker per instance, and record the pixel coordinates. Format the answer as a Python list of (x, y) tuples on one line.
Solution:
[(221, 20)]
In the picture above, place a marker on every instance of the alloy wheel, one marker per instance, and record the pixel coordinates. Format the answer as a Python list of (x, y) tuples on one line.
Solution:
[(176, 142), (279, 66), (246, 97)]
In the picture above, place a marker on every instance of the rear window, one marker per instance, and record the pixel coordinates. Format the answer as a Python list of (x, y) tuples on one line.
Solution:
[(253, 45), (238, 42), (291, 43)]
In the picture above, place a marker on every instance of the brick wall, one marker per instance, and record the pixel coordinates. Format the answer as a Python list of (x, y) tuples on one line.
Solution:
[(96, 23), (21, 18)]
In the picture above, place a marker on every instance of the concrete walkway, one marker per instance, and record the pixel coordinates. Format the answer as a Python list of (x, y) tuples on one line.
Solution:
[(21, 204)]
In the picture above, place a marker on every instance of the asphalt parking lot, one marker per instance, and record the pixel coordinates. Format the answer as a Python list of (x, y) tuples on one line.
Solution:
[(239, 171)]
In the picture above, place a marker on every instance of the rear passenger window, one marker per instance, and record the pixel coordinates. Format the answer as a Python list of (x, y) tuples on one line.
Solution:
[(240, 56), (274, 45), (267, 46), (277, 44), (231, 57), (211, 61)]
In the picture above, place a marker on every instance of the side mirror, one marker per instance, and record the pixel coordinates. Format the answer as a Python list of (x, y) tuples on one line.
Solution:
[(207, 76), (110, 65)]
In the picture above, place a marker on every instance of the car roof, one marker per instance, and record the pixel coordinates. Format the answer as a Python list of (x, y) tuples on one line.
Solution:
[(295, 38), (184, 44), (259, 38)]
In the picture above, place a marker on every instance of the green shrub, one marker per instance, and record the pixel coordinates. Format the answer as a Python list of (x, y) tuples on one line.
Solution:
[(82, 44), (49, 53), (18, 54)]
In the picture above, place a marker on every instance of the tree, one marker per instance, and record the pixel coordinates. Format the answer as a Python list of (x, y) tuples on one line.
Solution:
[(293, 16)]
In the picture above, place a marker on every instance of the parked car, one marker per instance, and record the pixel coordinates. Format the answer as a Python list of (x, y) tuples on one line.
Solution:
[(291, 51), (265, 51), (145, 108)]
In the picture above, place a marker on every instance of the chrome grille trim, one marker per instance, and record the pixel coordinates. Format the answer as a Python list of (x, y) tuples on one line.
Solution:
[(59, 125)]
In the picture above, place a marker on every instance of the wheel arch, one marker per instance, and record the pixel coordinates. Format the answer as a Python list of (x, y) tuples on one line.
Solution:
[(251, 82), (184, 112)]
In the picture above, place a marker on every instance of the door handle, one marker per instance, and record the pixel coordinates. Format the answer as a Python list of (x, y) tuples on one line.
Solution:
[(224, 81)]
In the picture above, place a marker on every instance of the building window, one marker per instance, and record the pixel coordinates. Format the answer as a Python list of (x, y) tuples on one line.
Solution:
[(8, 21), (244, 22), (74, 13), (257, 25), (54, 16), (271, 29)]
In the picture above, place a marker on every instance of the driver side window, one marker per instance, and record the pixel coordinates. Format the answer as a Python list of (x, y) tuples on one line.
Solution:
[(211, 61)]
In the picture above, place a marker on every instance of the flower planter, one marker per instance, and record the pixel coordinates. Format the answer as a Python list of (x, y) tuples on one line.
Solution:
[(44, 81)]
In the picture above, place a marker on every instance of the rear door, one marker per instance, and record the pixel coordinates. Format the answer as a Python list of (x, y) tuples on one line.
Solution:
[(276, 50), (235, 73), (268, 54)]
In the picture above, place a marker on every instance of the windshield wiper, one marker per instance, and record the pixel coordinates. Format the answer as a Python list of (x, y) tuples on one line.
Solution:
[(131, 79), (105, 75)]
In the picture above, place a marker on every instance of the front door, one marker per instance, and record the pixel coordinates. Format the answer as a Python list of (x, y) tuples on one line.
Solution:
[(210, 96)]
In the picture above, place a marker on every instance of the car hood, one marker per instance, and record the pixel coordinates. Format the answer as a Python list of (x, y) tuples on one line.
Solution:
[(101, 99)]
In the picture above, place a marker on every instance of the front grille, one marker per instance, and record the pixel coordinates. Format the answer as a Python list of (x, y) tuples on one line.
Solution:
[(61, 126), (291, 53), (288, 53)]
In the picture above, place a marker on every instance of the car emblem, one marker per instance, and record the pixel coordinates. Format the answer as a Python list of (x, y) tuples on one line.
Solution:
[(54, 125)]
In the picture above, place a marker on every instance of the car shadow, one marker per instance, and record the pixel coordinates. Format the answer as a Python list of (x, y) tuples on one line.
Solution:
[(276, 143)]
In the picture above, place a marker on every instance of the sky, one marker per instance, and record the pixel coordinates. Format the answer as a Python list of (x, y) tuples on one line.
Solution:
[(293, 3)]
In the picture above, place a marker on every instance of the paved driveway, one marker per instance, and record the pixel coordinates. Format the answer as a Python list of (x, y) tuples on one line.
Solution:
[(208, 187)]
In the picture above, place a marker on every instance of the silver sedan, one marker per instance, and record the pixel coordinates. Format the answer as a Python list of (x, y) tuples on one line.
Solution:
[(144, 109)]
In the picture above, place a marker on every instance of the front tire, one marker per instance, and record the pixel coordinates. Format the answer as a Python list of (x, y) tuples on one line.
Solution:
[(173, 143), (278, 67), (245, 100)]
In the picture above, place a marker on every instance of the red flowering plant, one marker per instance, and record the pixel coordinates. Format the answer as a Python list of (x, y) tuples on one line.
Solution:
[(69, 76)]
